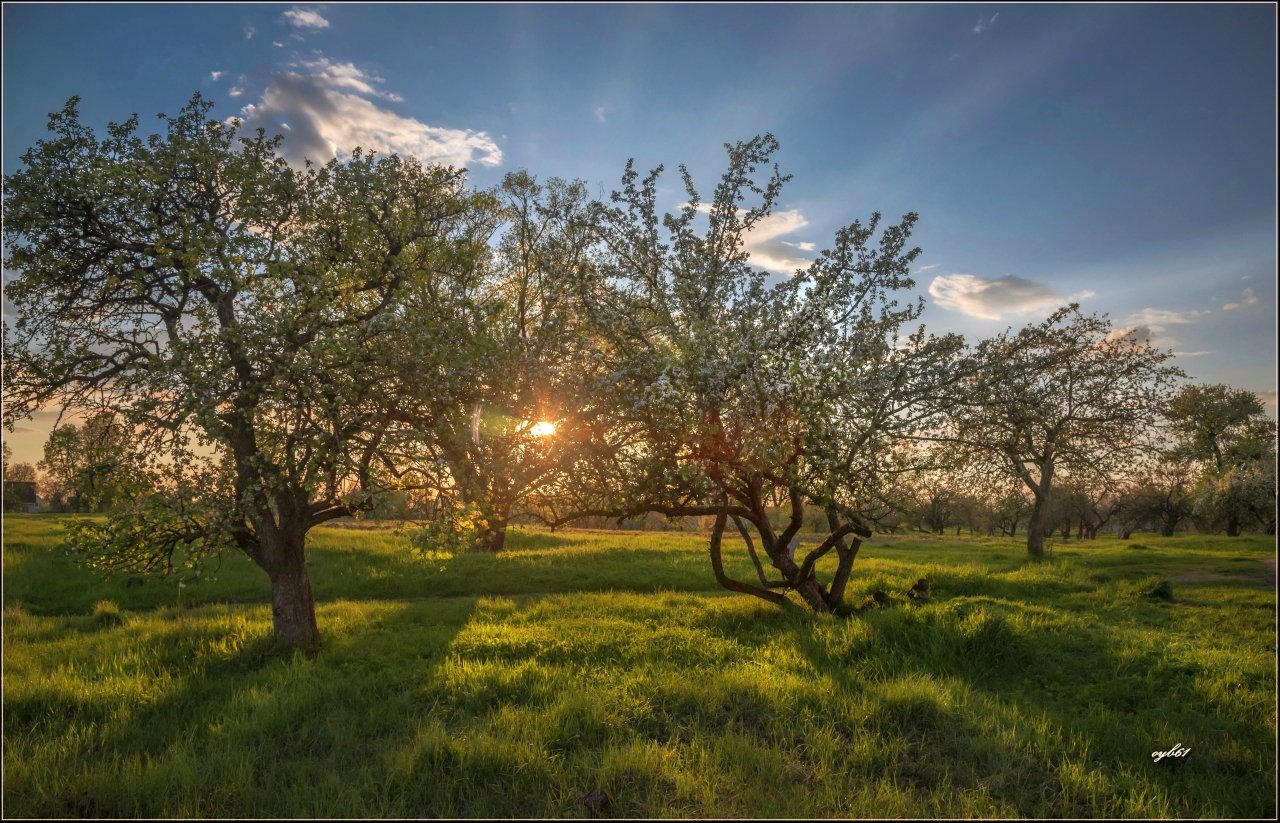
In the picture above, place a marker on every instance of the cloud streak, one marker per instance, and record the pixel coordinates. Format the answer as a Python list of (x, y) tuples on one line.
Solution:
[(983, 24), (992, 298), (327, 109)]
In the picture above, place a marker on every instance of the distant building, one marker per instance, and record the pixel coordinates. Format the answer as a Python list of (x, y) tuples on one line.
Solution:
[(20, 496)]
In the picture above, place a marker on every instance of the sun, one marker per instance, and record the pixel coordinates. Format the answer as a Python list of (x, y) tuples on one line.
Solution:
[(543, 428)]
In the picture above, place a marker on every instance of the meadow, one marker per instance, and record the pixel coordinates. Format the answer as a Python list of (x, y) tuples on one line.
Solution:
[(605, 674)]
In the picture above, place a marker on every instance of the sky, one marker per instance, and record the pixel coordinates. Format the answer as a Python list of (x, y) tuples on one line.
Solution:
[(1120, 156)]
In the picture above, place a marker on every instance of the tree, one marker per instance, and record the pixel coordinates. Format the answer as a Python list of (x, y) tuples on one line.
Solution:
[(496, 435), (85, 461), (236, 314), (21, 473), (1066, 396), (1165, 493), (718, 390), (1210, 420), (1227, 430)]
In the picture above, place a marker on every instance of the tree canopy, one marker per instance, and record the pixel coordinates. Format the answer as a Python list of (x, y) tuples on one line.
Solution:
[(717, 389), (236, 313), (1065, 396)]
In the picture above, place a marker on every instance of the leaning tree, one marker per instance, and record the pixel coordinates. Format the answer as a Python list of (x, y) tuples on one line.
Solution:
[(237, 314), (712, 388), (1065, 397)]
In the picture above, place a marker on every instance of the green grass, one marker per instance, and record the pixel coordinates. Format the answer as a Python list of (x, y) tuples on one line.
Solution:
[(580, 663)]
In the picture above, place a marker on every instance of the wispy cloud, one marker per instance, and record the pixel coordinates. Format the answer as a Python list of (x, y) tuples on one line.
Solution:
[(249, 32), (763, 243), (235, 91), (927, 268), (599, 112), (1248, 299), (768, 251), (1157, 319), (214, 75), (327, 109), (982, 25), (1151, 326), (277, 44), (992, 298), (347, 77), (304, 18)]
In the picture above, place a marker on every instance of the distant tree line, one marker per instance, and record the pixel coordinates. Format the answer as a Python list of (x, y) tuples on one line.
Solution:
[(259, 349)]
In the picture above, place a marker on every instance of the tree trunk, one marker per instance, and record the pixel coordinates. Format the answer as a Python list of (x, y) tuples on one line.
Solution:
[(1233, 526), (1166, 529), (1124, 533), (494, 536), (492, 539), (293, 610), (1035, 527)]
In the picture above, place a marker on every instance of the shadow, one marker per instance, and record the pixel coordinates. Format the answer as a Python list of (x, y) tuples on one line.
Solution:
[(1020, 673), (229, 721)]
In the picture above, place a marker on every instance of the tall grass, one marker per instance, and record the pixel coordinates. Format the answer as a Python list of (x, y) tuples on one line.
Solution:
[(606, 675)]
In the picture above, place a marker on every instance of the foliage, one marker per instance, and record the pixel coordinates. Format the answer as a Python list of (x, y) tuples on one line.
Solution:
[(1066, 396), (86, 462), (21, 473), (1227, 431), (517, 369), (235, 313), (718, 390), (453, 528)]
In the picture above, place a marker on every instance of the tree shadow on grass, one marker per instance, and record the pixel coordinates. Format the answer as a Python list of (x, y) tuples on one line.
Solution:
[(1082, 713), (227, 724)]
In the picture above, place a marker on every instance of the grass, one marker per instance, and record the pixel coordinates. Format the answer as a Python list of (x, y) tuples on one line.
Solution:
[(605, 674)]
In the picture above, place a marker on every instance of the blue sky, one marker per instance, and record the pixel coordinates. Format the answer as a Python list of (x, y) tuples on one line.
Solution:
[(1122, 156)]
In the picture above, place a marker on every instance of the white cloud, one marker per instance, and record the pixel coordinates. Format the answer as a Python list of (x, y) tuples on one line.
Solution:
[(1248, 299), (328, 113), (236, 91), (764, 248), (249, 32), (277, 44), (346, 76), (770, 253), (992, 298), (927, 268), (599, 113), (304, 18), (214, 75)]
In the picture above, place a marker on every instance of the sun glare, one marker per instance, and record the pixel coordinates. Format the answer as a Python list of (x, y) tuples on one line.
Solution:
[(543, 428)]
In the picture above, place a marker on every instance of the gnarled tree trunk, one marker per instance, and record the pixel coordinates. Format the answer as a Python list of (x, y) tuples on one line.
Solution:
[(293, 608)]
